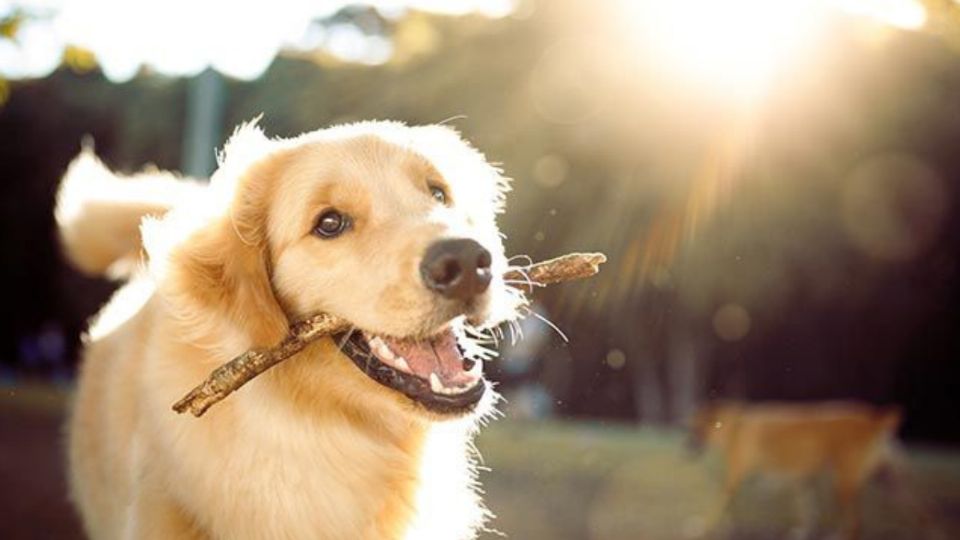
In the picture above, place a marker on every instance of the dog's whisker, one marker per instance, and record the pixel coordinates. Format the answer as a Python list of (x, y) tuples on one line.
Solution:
[(497, 334), (492, 335), (453, 118), (487, 337), (526, 279), (549, 323), (478, 335), (476, 341), (527, 260), (513, 333), (529, 283), (517, 330), (346, 337)]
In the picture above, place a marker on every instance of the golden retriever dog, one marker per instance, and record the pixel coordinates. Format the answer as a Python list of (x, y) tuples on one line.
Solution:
[(364, 435), (848, 440)]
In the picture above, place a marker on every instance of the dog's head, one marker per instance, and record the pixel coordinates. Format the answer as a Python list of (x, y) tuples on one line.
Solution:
[(387, 226)]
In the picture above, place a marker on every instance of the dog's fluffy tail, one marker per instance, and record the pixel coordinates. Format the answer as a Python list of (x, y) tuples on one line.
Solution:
[(99, 213)]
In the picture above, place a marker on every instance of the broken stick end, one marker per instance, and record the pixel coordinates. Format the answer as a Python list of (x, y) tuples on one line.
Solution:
[(190, 403), (595, 260)]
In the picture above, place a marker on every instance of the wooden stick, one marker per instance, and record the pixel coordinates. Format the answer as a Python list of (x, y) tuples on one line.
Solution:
[(230, 376), (564, 268)]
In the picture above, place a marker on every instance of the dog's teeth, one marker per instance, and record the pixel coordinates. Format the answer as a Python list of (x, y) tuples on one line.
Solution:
[(435, 384), (401, 363), (384, 352), (381, 349), (439, 388)]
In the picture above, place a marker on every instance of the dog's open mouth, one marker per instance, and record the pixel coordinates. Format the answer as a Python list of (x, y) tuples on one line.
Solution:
[(433, 372)]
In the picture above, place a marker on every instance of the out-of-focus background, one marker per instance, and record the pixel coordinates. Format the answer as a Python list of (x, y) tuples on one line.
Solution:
[(776, 184)]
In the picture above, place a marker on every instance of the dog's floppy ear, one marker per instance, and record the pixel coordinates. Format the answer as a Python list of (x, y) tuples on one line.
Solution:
[(215, 274)]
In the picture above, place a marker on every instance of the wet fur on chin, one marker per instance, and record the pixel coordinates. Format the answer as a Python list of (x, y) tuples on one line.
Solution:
[(313, 448)]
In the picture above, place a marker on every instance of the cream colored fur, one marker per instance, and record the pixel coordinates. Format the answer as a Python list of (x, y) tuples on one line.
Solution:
[(313, 449)]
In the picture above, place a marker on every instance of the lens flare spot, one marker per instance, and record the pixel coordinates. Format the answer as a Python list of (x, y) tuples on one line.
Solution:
[(731, 322), (893, 207), (616, 359), (550, 170)]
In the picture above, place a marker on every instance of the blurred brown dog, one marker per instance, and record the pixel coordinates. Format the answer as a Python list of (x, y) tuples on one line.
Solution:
[(365, 435), (847, 439)]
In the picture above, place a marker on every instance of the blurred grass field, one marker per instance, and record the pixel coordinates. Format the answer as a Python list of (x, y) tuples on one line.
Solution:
[(543, 480), (563, 480)]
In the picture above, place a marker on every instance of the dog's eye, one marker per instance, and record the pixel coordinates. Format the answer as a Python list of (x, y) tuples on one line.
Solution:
[(438, 194), (331, 223)]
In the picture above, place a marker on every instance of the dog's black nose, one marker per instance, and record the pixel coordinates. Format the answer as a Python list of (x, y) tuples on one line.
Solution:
[(457, 269)]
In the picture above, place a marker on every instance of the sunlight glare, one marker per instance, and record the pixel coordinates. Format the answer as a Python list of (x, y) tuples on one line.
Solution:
[(184, 37), (735, 47), (906, 14)]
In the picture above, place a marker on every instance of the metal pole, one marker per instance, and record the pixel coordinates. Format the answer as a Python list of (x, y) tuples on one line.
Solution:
[(205, 110)]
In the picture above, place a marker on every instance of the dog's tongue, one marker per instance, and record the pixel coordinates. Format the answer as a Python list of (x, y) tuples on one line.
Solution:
[(439, 355)]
